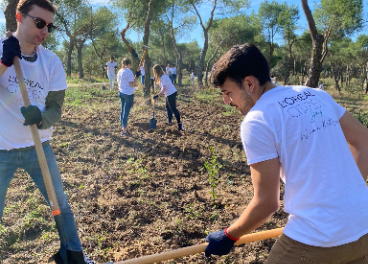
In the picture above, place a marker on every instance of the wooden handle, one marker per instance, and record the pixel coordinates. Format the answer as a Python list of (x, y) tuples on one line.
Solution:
[(36, 138), (141, 62), (200, 248)]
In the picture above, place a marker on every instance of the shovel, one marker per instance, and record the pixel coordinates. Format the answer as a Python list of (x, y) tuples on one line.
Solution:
[(153, 121), (39, 150), (178, 253)]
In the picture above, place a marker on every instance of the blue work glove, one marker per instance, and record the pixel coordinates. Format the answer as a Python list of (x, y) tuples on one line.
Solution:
[(219, 243), (155, 96), (11, 48), (137, 74), (32, 115)]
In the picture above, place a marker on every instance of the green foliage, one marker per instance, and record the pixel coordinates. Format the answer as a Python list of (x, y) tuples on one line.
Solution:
[(213, 168)]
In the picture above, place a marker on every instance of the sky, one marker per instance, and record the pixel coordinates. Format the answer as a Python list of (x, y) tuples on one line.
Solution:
[(204, 10)]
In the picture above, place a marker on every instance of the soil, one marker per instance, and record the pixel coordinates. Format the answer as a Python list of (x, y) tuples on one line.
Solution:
[(140, 195)]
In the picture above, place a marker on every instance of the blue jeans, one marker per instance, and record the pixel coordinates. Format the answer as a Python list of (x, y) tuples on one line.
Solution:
[(126, 105), (26, 159), (142, 79)]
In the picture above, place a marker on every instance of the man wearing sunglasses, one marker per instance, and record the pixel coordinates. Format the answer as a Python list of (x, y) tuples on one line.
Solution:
[(46, 83)]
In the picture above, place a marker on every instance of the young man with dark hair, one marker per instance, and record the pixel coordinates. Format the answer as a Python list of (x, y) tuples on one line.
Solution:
[(110, 67), (46, 83), (319, 150)]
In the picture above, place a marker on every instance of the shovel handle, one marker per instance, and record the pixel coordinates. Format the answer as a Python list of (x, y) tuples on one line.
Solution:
[(37, 141), (200, 248), (142, 59)]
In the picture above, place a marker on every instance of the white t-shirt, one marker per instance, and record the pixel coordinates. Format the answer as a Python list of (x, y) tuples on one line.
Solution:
[(111, 67), (321, 86), (325, 194), (124, 77), (173, 70), (167, 87), (168, 70), (142, 71), (192, 75), (42, 76)]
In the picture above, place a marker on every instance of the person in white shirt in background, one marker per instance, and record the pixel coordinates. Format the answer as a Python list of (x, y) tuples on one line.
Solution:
[(168, 70), (173, 74), (192, 77), (126, 83), (275, 81), (111, 66), (142, 73), (321, 85), (272, 78), (167, 89)]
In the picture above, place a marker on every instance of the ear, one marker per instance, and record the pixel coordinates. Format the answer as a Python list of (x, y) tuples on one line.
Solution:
[(18, 17), (250, 81)]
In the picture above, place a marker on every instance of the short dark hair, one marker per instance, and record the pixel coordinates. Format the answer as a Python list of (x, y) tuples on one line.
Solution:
[(239, 62), (111, 58), (24, 6)]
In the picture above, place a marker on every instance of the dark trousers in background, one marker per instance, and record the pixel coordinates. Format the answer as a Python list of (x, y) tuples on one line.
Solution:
[(171, 107), (173, 78)]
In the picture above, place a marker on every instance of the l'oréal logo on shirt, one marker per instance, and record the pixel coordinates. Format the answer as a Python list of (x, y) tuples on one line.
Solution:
[(28, 82), (294, 99)]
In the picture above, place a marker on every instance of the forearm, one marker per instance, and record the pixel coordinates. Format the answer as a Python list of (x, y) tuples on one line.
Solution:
[(360, 154), (253, 217), (54, 102)]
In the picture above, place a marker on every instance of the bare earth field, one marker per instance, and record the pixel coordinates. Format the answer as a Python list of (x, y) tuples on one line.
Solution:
[(145, 194)]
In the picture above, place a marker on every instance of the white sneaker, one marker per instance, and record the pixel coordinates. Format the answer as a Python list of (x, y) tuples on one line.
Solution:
[(87, 260), (181, 127)]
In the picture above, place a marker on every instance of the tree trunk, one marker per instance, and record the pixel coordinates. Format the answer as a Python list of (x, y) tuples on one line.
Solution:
[(178, 54), (69, 61), (272, 48), (147, 86), (212, 57), (205, 44), (134, 56), (318, 40), (366, 78), (9, 12), (80, 64), (147, 70)]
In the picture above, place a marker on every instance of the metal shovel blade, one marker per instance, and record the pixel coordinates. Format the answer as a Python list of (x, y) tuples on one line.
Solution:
[(152, 123)]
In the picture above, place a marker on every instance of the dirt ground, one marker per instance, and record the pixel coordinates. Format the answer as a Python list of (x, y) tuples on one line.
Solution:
[(140, 195)]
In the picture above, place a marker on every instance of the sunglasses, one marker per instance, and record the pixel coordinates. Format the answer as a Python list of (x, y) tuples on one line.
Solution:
[(40, 23)]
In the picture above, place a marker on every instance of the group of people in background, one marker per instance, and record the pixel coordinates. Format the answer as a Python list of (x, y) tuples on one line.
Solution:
[(127, 81)]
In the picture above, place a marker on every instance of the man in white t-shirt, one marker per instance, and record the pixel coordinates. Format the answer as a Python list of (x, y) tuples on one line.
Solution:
[(46, 83), (142, 73), (319, 150), (168, 70), (173, 74), (111, 66)]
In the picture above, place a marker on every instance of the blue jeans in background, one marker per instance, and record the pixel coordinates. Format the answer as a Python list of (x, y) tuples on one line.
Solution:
[(142, 79), (126, 105), (26, 159), (112, 80)]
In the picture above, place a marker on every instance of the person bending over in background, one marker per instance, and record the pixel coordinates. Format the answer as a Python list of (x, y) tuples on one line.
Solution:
[(319, 150), (111, 66), (167, 89), (46, 83), (126, 83)]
